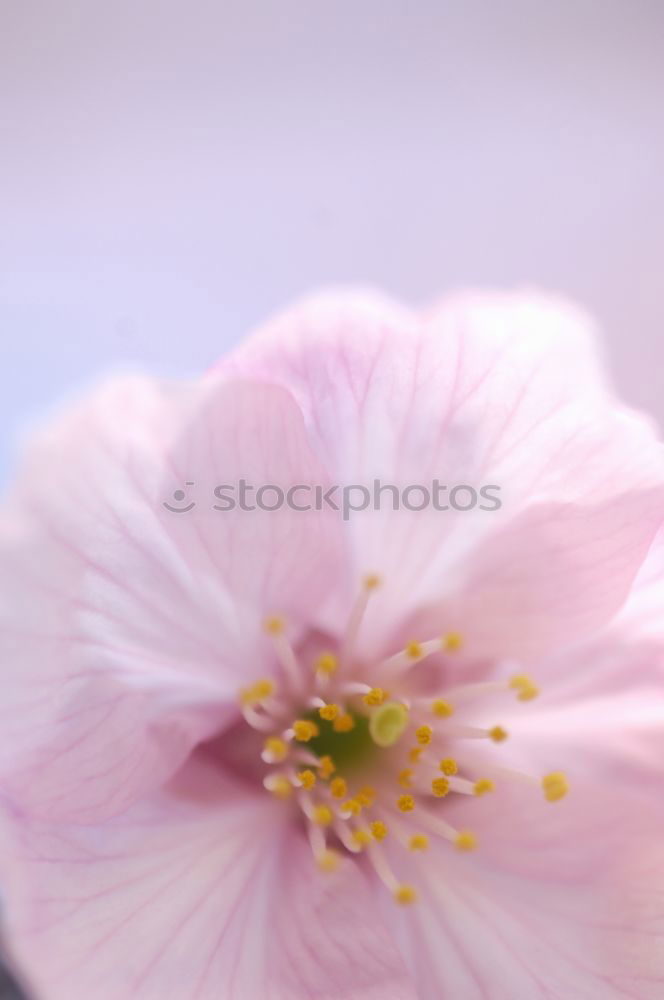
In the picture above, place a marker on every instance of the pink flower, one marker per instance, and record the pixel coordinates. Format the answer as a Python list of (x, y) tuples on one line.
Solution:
[(382, 661)]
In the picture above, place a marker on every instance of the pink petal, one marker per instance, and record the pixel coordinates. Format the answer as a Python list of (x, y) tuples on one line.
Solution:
[(557, 902), (127, 628), (204, 891), (498, 389)]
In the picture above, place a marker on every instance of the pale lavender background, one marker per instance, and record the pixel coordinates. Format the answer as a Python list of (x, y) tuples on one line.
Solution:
[(172, 172)]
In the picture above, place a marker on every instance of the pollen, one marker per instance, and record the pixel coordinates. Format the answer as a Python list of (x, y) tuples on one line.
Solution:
[(326, 767), (304, 730), (406, 803), (387, 723), (352, 806), (366, 795), (338, 788), (482, 786), (414, 650), (274, 625), (405, 894), (524, 686), (361, 838), (306, 778), (322, 815), (343, 723), (405, 777), (441, 708), (326, 664), (372, 581), (415, 754), (280, 787), (555, 786), (374, 697), (440, 787), (329, 712), (258, 692), (452, 642), (418, 842), (328, 861), (276, 749), (465, 841), (424, 735), (498, 734), (448, 766), (378, 830)]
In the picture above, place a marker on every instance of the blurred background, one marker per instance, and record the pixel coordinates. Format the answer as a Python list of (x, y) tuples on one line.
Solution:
[(172, 172)]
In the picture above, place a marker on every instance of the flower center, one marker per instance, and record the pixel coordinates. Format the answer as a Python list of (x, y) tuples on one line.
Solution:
[(363, 761)]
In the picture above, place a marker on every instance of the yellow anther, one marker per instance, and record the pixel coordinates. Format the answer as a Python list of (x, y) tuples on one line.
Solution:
[(424, 735), (328, 861), (351, 806), (258, 692), (387, 723), (441, 708), (329, 712), (322, 815), (378, 830), (405, 894), (406, 803), (374, 697), (326, 663), (498, 734), (524, 686), (306, 778), (440, 787), (415, 754), (448, 766), (338, 788), (371, 581), (281, 787), (405, 777), (418, 842), (343, 723), (414, 649), (483, 785), (555, 786), (274, 625), (366, 795), (465, 841), (361, 838), (304, 730), (276, 748), (326, 767), (452, 642)]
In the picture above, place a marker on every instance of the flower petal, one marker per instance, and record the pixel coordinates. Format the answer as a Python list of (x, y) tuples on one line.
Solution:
[(203, 891), (499, 389), (128, 628)]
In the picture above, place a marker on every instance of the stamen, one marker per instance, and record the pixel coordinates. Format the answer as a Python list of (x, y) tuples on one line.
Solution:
[(361, 838), (378, 830), (328, 860), (326, 664), (258, 692), (526, 688), (555, 786), (275, 628), (326, 767), (418, 842), (338, 788), (279, 785), (483, 785), (321, 815), (452, 642), (465, 841), (423, 735), (498, 734), (413, 652), (306, 778), (441, 708), (405, 777), (440, 787), (303, 730), (343, 723), (406, 803), (274, 750), (405, 894), (366, 796), (371, 582), (448, 766), (329, 712), (415, 754), (376, 696)]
